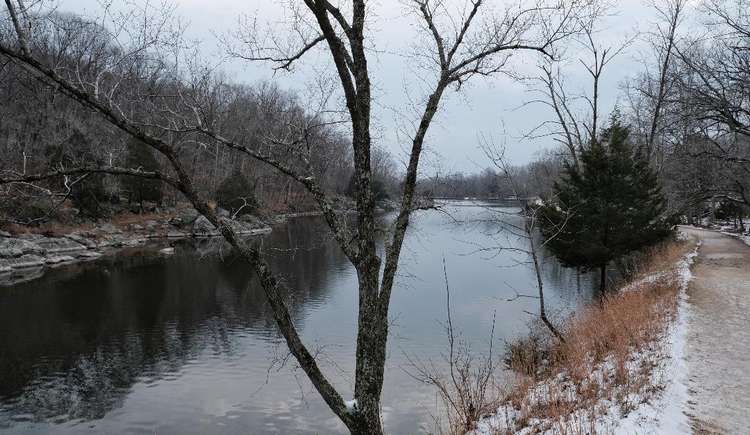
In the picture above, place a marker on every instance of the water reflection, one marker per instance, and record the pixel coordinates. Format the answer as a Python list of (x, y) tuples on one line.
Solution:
[(186, 344)]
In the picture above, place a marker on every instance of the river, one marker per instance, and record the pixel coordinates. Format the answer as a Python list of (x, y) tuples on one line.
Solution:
[(140, 342)]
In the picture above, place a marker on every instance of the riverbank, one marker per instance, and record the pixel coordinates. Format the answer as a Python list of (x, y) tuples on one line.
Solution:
[(26, 251), (620, 368)]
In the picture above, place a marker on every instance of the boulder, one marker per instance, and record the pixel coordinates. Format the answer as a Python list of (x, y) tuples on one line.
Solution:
[(185, 217), (222, 213), (202, 226), (5, 234)]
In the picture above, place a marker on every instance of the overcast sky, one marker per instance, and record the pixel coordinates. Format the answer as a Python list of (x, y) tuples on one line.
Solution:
[(491, 107)]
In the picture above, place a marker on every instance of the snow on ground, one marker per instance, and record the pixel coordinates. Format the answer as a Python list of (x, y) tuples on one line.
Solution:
[(665, 416), (744, 237), (660, 414)]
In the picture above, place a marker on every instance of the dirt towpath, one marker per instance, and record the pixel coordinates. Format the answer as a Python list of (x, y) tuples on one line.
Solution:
[(718, 336)]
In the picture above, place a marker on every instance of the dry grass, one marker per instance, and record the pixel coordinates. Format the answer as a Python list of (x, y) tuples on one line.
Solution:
[(125, 219), (58, 229), (608, 358)]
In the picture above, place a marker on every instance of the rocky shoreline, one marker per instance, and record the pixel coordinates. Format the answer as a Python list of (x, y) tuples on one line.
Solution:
[(24, 254)]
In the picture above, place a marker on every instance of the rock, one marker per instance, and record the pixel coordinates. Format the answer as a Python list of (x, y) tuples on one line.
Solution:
[(57, 259), (221, 212), (57, 245), (136, 227), (88, 243), (151, 224), (31, 237), (107, 228), (186, 216), (202, 226), (110, 242), (5, 234), (22, 262), (167, 251), (176, 221), (13, 247), (135, 241), (89, 255), (176, 235)]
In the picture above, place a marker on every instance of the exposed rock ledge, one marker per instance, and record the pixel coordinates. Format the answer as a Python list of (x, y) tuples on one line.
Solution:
[(24, 253)]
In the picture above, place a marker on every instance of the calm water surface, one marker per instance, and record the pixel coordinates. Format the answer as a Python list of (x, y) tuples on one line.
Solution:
[(185, 344)]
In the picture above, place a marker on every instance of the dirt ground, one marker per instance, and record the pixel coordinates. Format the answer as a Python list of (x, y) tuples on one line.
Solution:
[(718, 337)]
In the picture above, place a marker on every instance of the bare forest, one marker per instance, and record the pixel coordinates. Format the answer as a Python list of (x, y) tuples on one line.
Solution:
[(117, 116)]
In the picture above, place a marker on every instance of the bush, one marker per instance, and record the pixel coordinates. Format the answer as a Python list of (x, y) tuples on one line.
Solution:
[(237, 194), (87, 194)]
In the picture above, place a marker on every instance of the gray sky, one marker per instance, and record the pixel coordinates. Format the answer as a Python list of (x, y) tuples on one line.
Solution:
[(488, 107)]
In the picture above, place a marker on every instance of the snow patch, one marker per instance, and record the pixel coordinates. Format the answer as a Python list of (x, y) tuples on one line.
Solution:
[(744, 237)]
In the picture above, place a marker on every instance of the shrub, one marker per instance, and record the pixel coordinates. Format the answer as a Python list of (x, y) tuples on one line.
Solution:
[(87, 194), (237, 194)]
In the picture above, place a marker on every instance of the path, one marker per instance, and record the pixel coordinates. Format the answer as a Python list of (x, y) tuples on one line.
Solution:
[(718, 337)]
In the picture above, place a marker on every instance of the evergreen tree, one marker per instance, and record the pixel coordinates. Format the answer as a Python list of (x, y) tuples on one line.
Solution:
[(607, 207), (237, 193), (140, 189), (87, 194)]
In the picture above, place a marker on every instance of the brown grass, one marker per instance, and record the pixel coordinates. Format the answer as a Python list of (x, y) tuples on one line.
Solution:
[(58, 229), (610, 351)]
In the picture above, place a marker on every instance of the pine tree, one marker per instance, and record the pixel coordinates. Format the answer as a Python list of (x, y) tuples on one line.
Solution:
[(140, 189), (607, 207), (237, 194)]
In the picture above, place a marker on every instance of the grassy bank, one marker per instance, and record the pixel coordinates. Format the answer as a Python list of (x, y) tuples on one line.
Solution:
[(612, 362)]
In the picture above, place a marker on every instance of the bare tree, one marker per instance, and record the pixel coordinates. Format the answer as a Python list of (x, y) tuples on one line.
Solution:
[(528, 231), (663, 40), (652, 96), (712, 86), (463, 46), (570, 128)]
